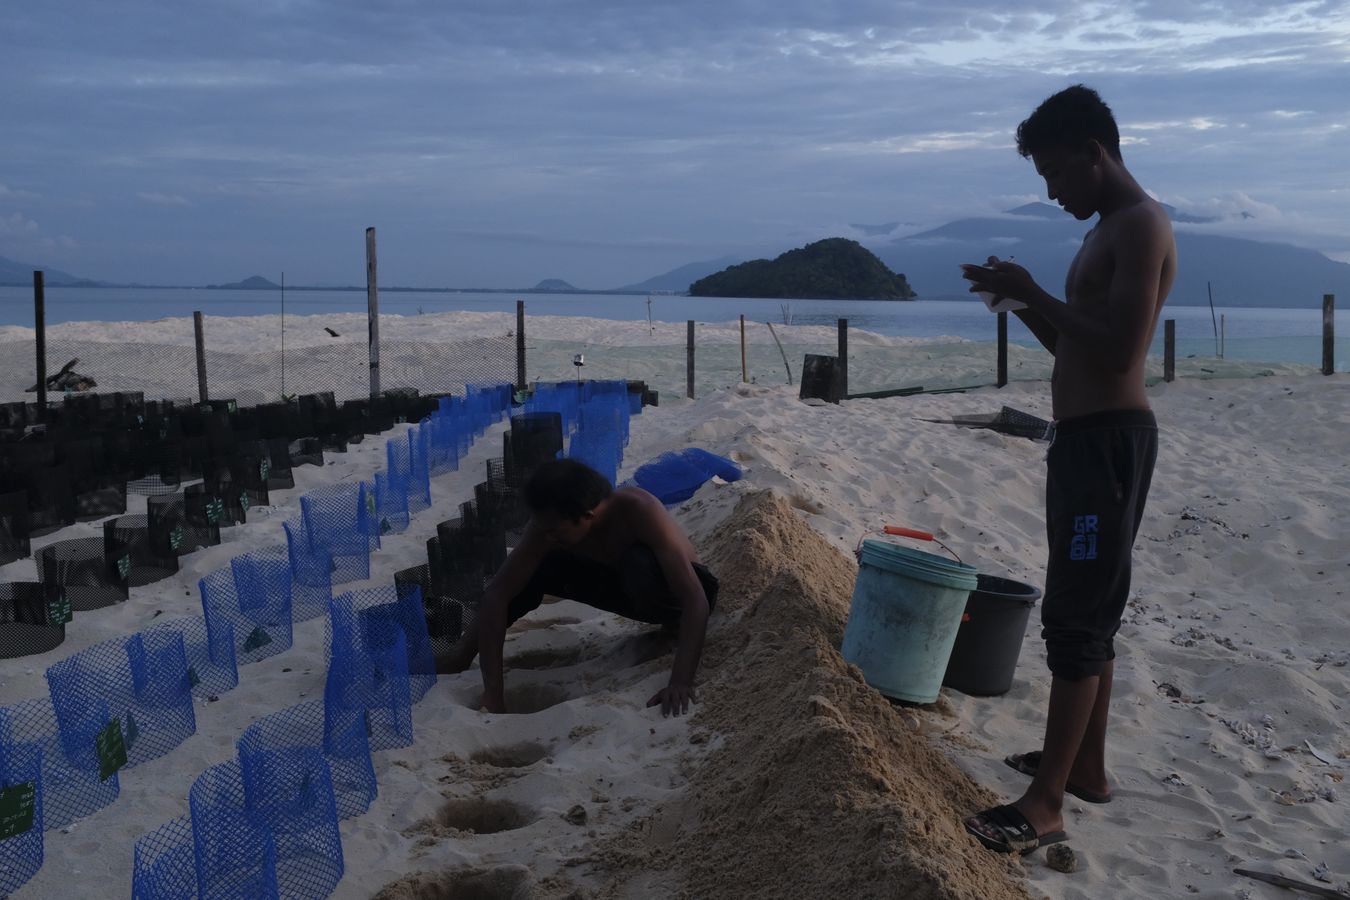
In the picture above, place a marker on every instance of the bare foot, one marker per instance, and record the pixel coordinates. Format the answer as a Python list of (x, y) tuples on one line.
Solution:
[(1043, 819)]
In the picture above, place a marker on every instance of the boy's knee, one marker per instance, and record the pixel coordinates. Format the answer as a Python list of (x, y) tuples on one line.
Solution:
[(1075, 656)]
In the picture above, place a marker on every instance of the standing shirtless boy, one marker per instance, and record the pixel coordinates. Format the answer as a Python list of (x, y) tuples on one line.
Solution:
[(1105, 442)]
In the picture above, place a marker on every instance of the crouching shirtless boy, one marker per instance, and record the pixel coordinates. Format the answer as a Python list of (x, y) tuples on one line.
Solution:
[(616, 550)]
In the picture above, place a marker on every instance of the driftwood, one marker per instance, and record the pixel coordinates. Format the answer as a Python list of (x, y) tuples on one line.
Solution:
[(67, 380), (331, 331), (1292, 883)]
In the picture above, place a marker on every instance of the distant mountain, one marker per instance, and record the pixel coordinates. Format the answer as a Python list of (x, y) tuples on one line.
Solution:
[(832, 269), (1045, 239), (21, 273), (679, 279), (553, 285), (876, 230), (252, 283)]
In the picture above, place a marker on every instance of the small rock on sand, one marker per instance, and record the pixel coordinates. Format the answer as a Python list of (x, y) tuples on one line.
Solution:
[(1061, 858)]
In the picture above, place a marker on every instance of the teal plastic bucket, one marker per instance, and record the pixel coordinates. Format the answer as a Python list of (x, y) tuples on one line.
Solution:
[(903, 620)]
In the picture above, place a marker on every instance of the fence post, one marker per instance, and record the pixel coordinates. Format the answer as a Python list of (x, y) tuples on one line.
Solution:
[(521, 379), (40, 326), (689, 363), (200, 335), (1328, 334), (743, 372), (373, 313), (1003, 349), (1170, 350), (843, 358)]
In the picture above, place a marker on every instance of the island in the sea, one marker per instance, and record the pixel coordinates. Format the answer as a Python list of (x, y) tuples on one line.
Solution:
[(832, 269), (252, 283)]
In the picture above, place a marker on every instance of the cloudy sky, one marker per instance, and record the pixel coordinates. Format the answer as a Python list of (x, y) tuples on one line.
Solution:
[(498, 142)]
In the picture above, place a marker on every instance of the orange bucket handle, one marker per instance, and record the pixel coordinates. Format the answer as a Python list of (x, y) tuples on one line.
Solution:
[(900, 531)]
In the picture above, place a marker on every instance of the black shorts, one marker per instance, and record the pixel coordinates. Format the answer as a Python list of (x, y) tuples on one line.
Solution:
[(1097, 478), (635, 589)]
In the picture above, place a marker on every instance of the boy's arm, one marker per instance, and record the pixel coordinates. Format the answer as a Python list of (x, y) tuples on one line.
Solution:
[(668, 542), (494, 612), (1036, 324), (1118, 335)]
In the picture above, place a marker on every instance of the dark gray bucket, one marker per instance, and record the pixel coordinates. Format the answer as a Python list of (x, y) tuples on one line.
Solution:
[(989, 640)]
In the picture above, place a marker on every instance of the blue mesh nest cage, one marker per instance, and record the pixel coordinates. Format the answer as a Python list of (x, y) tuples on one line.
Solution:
[(311, 573), (20, 814), (73, 784), (391, 495), (342, 519), (601, 450), (380, 659), (221, 605), (164, 866), (419, 475), (234, 853), (212, 665), (444, 439), (263, 585), (290, 791), (128, 697), (342, 741)]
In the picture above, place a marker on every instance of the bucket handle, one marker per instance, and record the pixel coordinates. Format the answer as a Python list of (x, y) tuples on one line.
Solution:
[(900, 531)]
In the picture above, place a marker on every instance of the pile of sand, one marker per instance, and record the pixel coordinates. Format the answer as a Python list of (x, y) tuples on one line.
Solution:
[(820, 786)]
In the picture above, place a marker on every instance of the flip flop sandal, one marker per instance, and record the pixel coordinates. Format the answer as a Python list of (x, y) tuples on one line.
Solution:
[(1015, 834), (1028, 763)]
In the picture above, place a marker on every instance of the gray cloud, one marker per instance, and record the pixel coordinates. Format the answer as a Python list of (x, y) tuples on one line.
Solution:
[(494, 141)]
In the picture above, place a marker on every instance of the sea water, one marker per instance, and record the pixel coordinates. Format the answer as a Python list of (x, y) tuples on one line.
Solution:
[(1250, 334)]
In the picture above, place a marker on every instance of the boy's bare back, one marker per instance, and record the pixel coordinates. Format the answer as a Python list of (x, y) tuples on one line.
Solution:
[(1121, 276)]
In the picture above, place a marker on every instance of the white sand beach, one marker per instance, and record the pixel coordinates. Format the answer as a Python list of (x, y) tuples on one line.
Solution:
[(1230, 734)]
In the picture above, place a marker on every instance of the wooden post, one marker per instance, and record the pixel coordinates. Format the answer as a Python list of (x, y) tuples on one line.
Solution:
[(689, 363), (744, 377), (1328, 334), (40, 327), (521, 378), (373, 313), (283, 336), (1003, 349), (1223, 334), (199, 332), (843, 358), (1170, 350)]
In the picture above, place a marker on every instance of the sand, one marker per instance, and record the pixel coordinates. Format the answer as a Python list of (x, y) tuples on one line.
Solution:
[(442, 351), (793, 778)]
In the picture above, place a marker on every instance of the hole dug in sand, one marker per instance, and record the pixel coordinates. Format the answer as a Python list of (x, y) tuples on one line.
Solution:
[(523, 699), (482, 815), (512, 882), (517, 756), (550, 657)]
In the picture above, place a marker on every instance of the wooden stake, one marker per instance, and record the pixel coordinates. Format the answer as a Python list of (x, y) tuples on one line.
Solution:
[(521, 379), (283, 335), (1170, 350), (1328, 334), (200, 334), (40, 326), (781, 351), (744, 378), (373, 313), (689, 363), (1002, 349), (1315, 889), (843, 357)]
